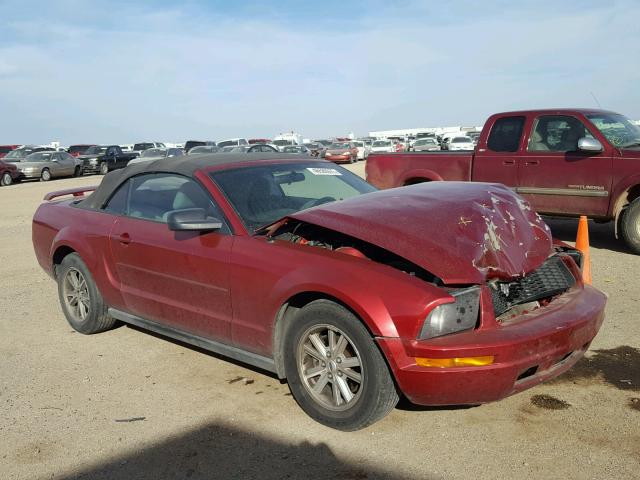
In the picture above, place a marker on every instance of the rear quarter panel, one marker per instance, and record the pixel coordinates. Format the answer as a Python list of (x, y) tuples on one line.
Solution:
[(389, 170)]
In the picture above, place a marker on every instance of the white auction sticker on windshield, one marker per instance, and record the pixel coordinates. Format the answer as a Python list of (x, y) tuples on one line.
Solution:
[(324, 171)]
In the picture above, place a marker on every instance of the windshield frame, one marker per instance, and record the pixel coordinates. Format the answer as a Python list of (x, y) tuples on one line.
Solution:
[(625, 121)]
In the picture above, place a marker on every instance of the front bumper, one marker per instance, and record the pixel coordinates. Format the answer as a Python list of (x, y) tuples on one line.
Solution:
[(91, 168), (338, 158), (541, 346), (26, 175)]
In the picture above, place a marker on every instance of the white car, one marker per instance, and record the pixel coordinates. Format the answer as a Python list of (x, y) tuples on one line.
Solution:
[(383, 146), (233, 142), (426, 145), (460, 143), (363, 149)]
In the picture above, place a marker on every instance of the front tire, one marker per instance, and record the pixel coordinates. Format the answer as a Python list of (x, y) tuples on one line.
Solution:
[(80, 299), (335, 371), (7, 179), (45, 176), (630, 226), (104, 168)]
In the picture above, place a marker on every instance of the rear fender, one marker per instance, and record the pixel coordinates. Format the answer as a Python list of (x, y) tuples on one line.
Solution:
[(418, 176)]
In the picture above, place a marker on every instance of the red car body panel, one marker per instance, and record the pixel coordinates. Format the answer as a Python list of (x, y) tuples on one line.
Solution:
[(8, 167), (232, 287), (555, 183), (483, 222)]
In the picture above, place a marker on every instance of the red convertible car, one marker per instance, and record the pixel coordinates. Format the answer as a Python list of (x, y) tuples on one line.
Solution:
[(447, 293)]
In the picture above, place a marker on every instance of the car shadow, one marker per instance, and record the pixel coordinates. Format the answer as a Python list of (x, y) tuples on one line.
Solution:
[(218, 451), (601, 235)]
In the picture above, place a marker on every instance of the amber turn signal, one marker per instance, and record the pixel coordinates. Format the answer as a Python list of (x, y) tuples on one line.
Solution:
[(455, 362)]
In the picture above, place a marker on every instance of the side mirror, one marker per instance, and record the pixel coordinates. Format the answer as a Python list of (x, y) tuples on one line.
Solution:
[(589, 145), (192, 219)]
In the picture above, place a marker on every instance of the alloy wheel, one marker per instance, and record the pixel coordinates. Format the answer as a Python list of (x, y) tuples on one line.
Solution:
[(76, 294), (330, 367)]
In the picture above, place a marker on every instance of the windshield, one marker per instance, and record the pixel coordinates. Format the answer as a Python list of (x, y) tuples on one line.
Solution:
[(427, 141), (618, 129), (282, 143), (154, 152), (339, 146), (461, 140), (96, 150), (77, 148), (228, 143), (263, 194), (381, 143)]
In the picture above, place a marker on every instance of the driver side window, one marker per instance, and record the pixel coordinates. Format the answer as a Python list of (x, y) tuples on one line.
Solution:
[(557, 133)]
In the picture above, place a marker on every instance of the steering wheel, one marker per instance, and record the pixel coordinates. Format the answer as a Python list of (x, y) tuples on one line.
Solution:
[(314, 202)]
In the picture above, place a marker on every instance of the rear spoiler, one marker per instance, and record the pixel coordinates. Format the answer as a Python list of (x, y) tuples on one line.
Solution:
[(76, 192)]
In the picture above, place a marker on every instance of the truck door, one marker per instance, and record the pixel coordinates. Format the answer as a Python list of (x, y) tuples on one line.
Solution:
[(496, 157), (556, 177)]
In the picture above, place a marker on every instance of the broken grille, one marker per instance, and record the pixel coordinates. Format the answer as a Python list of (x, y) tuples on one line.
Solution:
[(551, 279)]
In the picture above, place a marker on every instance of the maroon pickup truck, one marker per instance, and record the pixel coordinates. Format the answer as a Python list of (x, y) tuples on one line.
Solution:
[(565, 162)]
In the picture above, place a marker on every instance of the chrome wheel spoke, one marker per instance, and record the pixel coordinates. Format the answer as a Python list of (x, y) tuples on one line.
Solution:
[(350, 362), (313, 352), (314, 372), (344, 389), (321, 383), (335, 390), (355, 376), (318, 344), (342, 344)]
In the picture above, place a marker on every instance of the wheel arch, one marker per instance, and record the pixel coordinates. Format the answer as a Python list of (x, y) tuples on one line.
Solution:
[(286, 314), (59, 254), (622, 202)]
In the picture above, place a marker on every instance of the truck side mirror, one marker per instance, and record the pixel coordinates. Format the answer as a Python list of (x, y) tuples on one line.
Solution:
[(586, 144)]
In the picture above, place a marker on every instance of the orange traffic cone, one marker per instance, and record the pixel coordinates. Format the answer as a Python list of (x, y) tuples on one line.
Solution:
[(582, 244)]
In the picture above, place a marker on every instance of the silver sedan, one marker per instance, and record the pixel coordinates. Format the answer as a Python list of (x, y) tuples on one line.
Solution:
[(48, 165)]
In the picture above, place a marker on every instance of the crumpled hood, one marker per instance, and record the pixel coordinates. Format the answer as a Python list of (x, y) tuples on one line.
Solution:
[(465, 233)]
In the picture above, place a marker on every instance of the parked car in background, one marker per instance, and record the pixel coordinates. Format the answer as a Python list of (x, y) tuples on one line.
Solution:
[(142, 146), (9, 173), (22, 152), (189, 144), (299, 149), (264, 261), (566, 162), (428, 144), (4, 149), (382, 146), (201, 149), (316, 149), (157, 154), (233, 142), (460, 143), (363, 149), (253, 141), (46, 165), (77, 150), (341, 152), (127, 147), (261, 147), (104, 158)]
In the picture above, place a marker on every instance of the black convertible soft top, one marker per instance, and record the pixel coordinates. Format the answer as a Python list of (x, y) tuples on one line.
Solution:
[(184, 165)]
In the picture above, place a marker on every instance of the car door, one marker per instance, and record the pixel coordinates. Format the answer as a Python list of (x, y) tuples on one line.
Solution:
[(496, 158), (179, 279), (556, 177), (67, 163)]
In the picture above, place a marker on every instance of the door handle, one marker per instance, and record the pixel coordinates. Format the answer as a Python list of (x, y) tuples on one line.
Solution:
[(508, 162), (124, 238), (532, 162)]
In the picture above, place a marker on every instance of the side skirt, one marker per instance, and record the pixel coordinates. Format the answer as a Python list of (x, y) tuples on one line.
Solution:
[(235, 353)]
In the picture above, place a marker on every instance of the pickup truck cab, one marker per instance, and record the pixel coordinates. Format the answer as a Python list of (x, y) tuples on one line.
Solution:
[(565, 162), (104, 158)]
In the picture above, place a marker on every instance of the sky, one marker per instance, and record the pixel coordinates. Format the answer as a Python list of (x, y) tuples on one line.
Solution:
[(124, 72)]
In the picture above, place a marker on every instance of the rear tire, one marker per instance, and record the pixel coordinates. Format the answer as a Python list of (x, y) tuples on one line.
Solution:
[(80, 299), (104, 168), (45, 176), (335, 371), (629, 225), (7, 179)]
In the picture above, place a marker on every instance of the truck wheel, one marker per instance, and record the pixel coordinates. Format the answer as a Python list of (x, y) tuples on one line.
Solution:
[(7, 179), (334, 369), (45, 176), (630, 226), (104, 168), (80, 299)]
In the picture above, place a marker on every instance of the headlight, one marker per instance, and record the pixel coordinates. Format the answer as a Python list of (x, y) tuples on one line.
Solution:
[(454, 317), (93, 161)]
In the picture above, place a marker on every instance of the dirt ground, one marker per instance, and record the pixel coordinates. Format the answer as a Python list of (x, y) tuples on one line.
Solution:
[(130, 405)]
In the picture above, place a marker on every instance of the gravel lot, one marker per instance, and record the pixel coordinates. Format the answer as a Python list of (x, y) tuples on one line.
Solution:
[(65, 397)]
